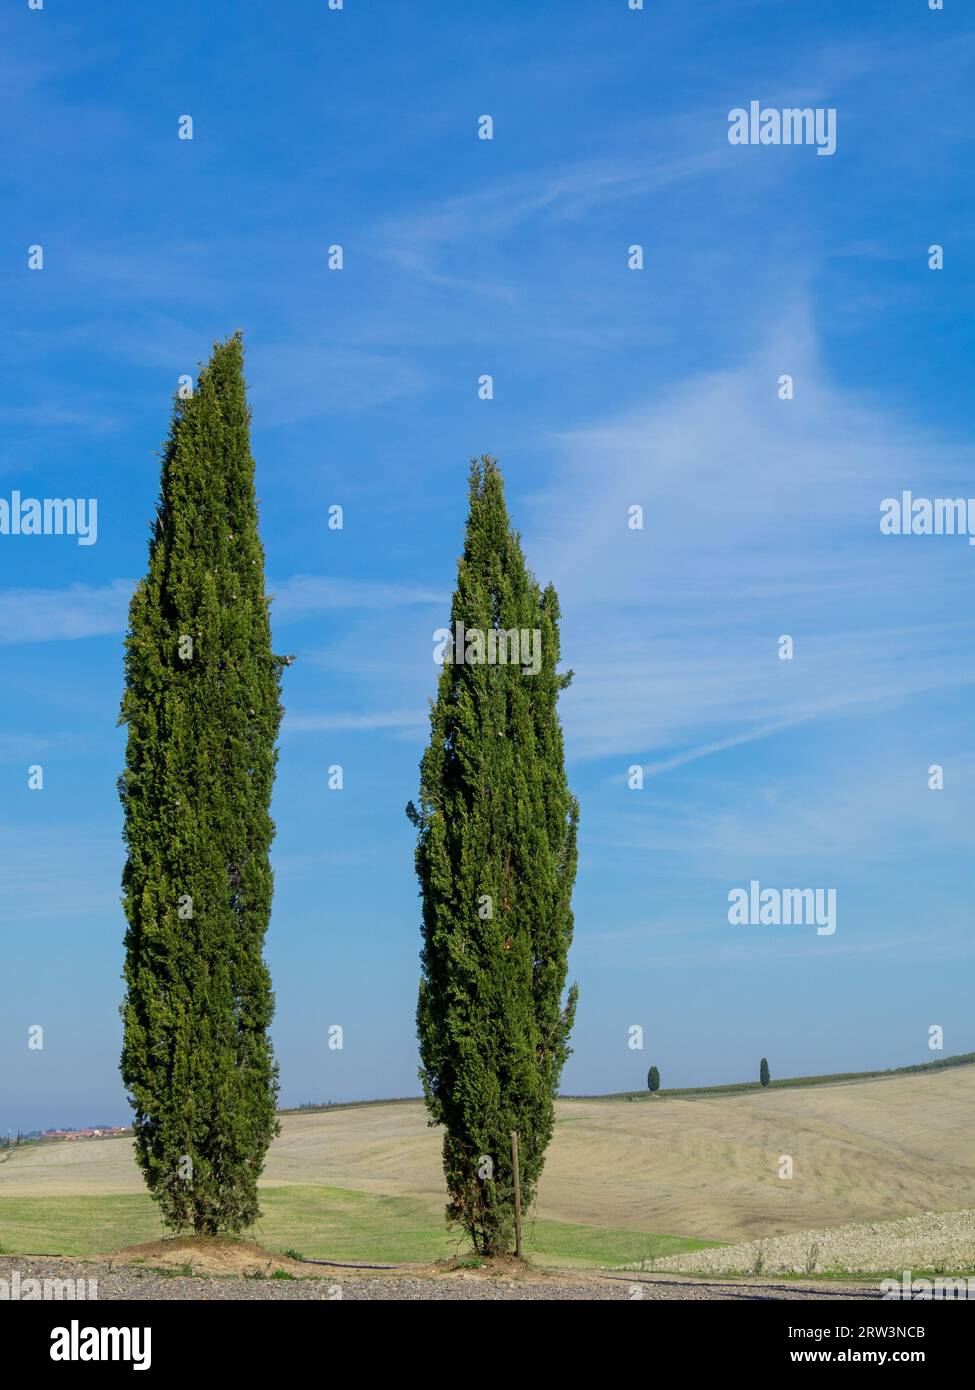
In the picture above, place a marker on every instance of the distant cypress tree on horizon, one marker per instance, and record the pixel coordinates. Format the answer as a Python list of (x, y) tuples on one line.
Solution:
[(764, 1075), (496, 862), (653, 1079), (202, 709)]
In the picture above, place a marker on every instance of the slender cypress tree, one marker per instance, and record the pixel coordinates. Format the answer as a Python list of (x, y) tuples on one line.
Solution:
[(653, 1079), (202, 706), (764, 1075), (496, 861)]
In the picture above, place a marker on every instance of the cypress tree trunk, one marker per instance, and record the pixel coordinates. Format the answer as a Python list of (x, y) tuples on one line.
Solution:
[(202, 706), (496, 861)]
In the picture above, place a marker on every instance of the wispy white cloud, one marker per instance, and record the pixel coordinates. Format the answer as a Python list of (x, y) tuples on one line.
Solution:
[(718, 746), (64, 615), (397, 720), (761, 518), (58, 873), (841, 811), (23, 748), (300, 380), (83, 610), (767, 946), (416, 241), (304, 594)]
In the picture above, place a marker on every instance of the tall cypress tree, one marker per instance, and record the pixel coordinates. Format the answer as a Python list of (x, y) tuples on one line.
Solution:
[(764, 1075), (496, 861), (202, 706)]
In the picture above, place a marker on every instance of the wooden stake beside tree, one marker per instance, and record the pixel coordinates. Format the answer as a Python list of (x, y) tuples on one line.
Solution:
[(517, 1177)]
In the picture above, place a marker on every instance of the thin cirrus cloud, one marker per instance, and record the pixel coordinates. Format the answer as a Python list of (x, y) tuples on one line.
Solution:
[(762, 948), (416, 241), (22, 748), (304, 594), (77, 866), (761, 518), (64, 615), (397, 721), (85, 610), (300, 381), (800, 820)]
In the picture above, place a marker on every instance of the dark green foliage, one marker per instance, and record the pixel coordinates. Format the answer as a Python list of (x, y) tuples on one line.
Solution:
[(653, 1079), (200, 761), (496, 835), (764, 1075)]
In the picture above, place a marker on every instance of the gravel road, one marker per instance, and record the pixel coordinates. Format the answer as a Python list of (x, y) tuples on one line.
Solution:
[(124, 1282)]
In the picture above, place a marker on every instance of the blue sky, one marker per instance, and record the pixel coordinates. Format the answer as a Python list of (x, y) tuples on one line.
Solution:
[(612, 388)]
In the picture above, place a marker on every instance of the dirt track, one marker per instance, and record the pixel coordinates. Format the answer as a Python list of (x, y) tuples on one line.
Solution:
[(338, 1284)]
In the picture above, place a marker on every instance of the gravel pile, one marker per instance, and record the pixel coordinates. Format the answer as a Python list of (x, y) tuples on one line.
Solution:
[(935, 1240)]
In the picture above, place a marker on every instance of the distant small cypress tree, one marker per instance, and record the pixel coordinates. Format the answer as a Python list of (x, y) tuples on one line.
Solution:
[(653, 1079), (202, 706), (496, 860), (764, 1075)]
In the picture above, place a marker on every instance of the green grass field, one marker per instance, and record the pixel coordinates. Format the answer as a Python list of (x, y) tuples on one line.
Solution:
[(319, 1222)]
